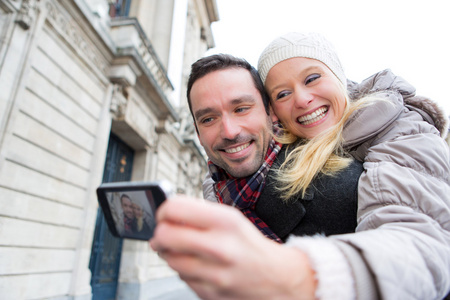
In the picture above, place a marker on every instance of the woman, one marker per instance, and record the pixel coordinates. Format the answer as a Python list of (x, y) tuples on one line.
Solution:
[(140, 226), (401, 247), (328, 207), (404, 191)]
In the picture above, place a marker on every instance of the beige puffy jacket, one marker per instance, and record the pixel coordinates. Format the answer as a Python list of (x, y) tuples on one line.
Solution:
[(401, 248)]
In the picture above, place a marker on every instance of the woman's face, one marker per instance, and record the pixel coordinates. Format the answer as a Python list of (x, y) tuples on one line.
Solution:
[(305, 95), (137, 210)]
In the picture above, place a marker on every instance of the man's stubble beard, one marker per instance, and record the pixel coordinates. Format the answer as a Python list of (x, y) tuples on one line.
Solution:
[(257, 161)]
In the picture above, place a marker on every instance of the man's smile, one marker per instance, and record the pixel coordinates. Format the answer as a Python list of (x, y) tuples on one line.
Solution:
[(237, 149)]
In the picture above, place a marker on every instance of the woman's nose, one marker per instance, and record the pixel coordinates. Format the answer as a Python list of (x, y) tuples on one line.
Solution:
[(303, 98)]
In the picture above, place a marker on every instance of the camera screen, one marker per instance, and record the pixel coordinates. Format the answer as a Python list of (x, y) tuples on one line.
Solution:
[(133, 213)]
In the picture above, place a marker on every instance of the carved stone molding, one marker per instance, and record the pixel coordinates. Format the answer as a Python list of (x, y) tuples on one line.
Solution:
[(131, 41), (118, 102), (67, 28), (26, 14)]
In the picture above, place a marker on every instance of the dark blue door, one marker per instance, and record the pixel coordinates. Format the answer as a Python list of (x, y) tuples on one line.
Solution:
[(107, 249)]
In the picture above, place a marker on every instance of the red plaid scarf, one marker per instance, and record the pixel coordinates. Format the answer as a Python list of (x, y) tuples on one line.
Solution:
[(127, 223), (243, 193)]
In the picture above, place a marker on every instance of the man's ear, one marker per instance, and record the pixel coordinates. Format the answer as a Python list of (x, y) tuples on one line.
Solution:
[(272, 115)]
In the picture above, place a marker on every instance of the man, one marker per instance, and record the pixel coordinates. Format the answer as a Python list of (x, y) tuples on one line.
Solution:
[(128, 213), (231, 113), (221, 255), (216, 248), (233, 123)]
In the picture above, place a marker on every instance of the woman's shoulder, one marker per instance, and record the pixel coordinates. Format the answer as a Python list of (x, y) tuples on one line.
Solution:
[(382, 81), (382, 108), (387, 96)]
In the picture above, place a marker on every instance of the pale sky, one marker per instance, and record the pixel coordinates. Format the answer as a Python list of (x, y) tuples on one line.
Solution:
[(410, 37)]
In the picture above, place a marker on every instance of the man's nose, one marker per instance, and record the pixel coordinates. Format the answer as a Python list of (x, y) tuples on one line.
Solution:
[(230, 128)]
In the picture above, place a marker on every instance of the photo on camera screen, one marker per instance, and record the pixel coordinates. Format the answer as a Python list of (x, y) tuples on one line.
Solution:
[(133, 213), (129, 208)]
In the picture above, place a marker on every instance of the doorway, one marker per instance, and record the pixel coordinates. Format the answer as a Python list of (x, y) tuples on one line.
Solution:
[(106, 248)]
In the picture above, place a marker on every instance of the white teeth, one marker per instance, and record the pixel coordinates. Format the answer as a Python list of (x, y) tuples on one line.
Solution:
[(313, 117), (237, 149)]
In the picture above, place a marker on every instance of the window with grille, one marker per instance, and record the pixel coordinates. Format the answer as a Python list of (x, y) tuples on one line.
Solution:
[(119, 8)]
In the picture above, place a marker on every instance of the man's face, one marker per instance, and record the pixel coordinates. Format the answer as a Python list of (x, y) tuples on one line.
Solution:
[(232, 123), (127, 208)]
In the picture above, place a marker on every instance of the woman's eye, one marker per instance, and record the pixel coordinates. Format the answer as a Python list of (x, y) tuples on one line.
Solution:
[(311, 78), (282, 95)]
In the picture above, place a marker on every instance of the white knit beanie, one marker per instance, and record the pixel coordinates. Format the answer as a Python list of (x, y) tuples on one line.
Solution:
[(294, 44)]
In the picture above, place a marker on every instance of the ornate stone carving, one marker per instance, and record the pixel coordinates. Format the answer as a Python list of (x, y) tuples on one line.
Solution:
[(67, 27), (118, 102), (26, 14), (186, 126)]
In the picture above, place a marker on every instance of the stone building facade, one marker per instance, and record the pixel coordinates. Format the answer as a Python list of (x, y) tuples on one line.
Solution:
[(89, 88)]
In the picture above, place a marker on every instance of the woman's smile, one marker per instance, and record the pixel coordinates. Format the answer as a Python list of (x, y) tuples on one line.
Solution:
[(306, 96), (313, 117)]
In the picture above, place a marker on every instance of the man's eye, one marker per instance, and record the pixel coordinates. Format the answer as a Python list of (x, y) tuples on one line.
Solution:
[(311, 78), (241, 109), (206, 120)]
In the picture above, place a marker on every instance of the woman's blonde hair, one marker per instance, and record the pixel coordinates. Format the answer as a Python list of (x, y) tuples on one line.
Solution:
[(140, 223), (140, 219), (322, 154)]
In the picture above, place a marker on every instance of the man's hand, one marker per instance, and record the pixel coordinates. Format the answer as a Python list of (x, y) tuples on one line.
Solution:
[(221, 255)]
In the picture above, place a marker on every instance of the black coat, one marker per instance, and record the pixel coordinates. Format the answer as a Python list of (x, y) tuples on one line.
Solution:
[(328, 208)]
